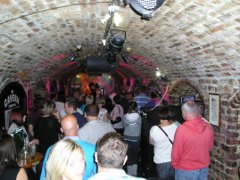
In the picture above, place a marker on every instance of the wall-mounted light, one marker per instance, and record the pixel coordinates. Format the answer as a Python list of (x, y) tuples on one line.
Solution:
[(113, 8), (117, 19), (112, 11), (105, 19), (158, 72), (78, 46), (104, 41)]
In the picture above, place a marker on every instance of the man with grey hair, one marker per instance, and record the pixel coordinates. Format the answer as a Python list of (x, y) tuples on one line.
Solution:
[(192, 143), (111, 155)]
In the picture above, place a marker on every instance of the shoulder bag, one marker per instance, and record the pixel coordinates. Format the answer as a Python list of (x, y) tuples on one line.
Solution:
[(118, 119), (165, 134)]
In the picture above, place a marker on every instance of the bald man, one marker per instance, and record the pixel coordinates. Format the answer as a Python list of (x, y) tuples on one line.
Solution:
[(69, 127)]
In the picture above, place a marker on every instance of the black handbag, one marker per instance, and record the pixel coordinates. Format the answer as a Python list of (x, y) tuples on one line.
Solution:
[(118, 119)]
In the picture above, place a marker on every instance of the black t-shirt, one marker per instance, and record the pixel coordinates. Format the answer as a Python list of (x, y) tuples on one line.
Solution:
[(46, 130)]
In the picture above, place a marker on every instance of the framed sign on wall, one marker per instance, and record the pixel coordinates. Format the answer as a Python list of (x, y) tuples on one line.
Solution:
[(214, 109), (184, 99)]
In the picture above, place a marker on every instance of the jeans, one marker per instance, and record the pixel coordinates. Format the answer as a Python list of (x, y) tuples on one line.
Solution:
[(200, 174), (133, 152), (165, 171)]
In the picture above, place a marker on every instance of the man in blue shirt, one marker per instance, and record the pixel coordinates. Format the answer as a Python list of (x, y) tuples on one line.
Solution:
[(69, 128), (71, 108), (141, 99)]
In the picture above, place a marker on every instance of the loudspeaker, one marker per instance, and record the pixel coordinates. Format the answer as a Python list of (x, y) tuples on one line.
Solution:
[(96, 65)]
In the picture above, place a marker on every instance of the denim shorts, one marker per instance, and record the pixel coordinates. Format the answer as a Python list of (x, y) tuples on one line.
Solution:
[(200, 174)]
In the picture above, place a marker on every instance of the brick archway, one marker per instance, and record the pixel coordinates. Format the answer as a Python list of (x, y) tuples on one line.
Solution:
[(184, 87)]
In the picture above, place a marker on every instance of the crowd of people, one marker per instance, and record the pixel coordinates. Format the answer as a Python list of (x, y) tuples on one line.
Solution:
[(98, 137)]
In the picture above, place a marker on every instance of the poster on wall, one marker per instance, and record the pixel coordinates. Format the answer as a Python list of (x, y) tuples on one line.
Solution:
[(214, 109), (12, 96), (184, 99)]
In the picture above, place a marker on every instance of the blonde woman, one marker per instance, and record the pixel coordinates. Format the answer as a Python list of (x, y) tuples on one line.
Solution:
[(47, 127), (66, 161), (102, 115)]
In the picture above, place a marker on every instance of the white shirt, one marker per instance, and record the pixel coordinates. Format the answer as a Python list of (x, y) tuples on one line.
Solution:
[(102, 113), (162, 145), (114, 174), (118, 110), (15, 127), (60, 108)]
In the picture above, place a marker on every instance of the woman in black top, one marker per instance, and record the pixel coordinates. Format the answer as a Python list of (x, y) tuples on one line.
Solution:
[(47, 128), (9, 170)]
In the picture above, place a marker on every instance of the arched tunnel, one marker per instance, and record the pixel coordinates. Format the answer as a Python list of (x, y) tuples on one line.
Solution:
[(194, 43)]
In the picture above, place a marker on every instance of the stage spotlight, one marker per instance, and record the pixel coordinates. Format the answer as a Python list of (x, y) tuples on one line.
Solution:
[(116, 43), (145, 8)]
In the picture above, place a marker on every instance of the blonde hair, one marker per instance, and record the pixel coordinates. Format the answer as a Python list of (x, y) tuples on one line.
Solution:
[(48, 108), (59, 157), (100, 100)]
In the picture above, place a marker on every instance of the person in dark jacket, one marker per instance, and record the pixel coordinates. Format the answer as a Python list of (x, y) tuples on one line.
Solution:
[(47, 128)]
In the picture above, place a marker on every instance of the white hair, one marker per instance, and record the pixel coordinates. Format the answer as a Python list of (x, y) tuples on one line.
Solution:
[(190, 107)]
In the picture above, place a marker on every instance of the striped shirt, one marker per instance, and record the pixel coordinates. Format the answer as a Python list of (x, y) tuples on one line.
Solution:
[(141, 100)]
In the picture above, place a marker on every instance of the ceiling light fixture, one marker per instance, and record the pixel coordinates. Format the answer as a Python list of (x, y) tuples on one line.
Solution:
[(78, 46), (113, 39), (117, 19), (113, 8), (144, 8), (104, 41), (105, 19)]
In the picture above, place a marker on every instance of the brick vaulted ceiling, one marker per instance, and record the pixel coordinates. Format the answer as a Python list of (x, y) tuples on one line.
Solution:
[(185, 38)]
